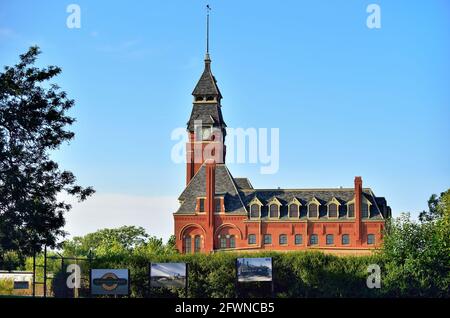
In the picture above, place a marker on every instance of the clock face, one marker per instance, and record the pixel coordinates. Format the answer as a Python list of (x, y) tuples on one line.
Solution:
[(206, 133)]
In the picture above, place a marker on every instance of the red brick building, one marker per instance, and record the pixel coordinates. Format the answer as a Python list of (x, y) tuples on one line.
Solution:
[(220, 212)]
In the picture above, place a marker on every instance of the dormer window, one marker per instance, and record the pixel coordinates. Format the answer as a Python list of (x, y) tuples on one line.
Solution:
[(332, 210), (313, 210), (293, 210), (254, 211), (274, 210), (351, 210), (364, 210)]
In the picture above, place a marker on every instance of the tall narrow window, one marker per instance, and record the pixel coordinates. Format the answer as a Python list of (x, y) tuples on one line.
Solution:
[(351, 210), (197, 243), (232, 241), (330, 239), (201, 205), (274, 210), (283, 239), (187, 245), (223, 242), (364, 210), (252, 239), (298, 239), (313, 210), (345, 239), (332, 210), (267, 239), (371, 239), (254, 211), (293, 210), (218, 205)]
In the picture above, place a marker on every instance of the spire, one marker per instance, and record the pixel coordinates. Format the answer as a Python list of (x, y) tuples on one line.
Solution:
[(208, 8), (206, 87)]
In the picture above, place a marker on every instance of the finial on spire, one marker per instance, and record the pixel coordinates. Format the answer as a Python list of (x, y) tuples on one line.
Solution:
[(208, 8)]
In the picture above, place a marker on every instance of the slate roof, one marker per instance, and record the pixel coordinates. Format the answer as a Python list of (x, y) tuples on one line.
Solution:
[(207, 84), (239, 192), (224, 186), (243, 183), (208, 113)]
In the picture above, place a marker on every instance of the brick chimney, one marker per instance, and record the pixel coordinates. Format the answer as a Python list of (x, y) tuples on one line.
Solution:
[(210, 203), (358, 198)]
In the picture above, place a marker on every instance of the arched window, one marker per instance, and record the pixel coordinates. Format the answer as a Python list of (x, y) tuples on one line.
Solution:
[(293, 210), (332, 210), (199, 98), (197, 243), (283, 239), (364, 210), (298, 239), (232, 241), (274, 210), (187, 245), (351, 210), (313, 210), (254, 211)]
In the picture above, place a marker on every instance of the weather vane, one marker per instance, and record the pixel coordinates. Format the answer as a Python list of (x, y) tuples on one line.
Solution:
[(208, 8)]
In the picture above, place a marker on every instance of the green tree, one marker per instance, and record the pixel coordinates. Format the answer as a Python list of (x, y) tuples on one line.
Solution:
[(33, 122), (124, 239), (417, 254)]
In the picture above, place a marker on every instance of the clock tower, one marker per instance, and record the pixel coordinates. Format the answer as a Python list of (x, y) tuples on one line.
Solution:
[(206, 127)]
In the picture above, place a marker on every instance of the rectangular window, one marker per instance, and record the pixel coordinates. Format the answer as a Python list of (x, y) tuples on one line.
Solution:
[(364, 210), (298, 239), (187, 244), (345, 239), (197, 241), (232, 241), (218, 205), (330, 239), (223, 242), (283, 239), (371, 239), (201, 205), (314, 239), (267, 239), (252, 239), (351, 210)]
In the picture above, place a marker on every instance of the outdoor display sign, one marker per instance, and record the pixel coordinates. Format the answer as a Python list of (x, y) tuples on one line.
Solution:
[(168, 275), (110, 281), (254, 269)]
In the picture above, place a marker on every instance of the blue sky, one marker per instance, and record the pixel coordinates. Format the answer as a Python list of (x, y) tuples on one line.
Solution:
[(348, 100)]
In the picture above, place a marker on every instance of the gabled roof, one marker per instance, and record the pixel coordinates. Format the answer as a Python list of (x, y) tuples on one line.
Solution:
[(224, 186)]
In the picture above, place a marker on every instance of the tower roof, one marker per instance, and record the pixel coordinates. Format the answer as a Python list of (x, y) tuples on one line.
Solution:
[(207, 84)]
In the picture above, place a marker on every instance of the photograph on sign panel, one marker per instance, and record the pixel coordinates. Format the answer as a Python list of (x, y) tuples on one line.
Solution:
[(168, 275), (254, 269)]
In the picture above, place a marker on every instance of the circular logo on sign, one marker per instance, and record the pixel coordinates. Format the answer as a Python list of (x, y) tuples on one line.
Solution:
[(109, 281)]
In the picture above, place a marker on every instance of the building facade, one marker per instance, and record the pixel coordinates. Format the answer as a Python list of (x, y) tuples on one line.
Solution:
[(220, 213)]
